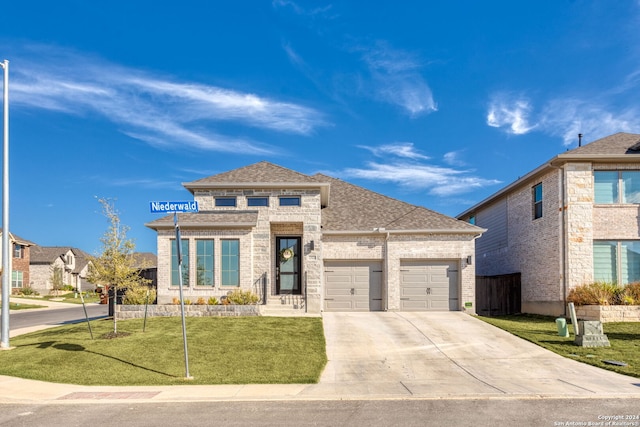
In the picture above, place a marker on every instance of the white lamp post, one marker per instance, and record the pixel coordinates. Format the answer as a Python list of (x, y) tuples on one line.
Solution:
[(6, 253)]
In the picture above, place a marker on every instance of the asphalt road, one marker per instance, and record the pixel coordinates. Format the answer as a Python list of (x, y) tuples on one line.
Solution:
[(28, 318), (437, 412)]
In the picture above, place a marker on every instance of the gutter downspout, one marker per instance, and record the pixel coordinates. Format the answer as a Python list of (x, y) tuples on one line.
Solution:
[(386, 271)]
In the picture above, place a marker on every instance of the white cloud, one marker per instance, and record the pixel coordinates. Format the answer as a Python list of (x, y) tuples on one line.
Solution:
[(398, 149), (161, 112), (569, 117), (453, 158), (436, 180), (397, 79), (510, 112)]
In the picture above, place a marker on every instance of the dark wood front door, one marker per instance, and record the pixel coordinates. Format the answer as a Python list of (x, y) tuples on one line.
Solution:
[(288, 265)]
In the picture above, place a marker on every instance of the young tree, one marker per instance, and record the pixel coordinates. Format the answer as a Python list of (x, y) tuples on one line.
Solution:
[(116, 266), (56, 279)]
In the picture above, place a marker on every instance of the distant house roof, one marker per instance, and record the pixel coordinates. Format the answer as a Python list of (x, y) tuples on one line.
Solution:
[(349, 208), (17, 239), (145, 260), (45, 255), (617, 148)]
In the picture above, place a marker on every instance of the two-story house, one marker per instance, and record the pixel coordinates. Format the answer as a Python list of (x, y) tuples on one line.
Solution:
[(314, 243), (55, 264), (573, 220), (20, 257)]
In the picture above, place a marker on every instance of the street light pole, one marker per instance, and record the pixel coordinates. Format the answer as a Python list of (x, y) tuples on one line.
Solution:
[(6, 253)]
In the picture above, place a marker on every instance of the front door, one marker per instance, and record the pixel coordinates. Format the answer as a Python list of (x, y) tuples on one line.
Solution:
[(288, 265)]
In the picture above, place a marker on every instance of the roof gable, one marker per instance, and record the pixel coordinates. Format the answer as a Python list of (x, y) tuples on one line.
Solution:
[(261, 172)]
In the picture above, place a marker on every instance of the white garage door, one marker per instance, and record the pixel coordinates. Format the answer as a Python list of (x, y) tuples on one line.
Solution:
[(353, 286), (428, 285)]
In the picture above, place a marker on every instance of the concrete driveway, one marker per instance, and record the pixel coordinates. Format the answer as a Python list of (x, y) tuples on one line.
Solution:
[(449, 354)]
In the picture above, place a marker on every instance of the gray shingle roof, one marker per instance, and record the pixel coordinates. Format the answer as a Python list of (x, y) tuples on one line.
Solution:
[(47, 254), (208, 219), (617, 144), (258, 172), (353, 208)]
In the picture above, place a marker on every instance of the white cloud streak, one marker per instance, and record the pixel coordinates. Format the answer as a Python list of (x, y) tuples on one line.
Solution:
[(414, 174), (399, 149), (436, 180), (161, 112), (397, 79), (564, 117)]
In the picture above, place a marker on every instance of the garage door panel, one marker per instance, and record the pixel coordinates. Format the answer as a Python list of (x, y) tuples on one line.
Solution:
[(428, 285), (353, 285)]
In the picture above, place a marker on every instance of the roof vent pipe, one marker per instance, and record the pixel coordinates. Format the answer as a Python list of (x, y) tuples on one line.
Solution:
[(579, 140)]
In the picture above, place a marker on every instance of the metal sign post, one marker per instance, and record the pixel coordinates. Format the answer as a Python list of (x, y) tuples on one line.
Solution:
[(6, 252), (175, 208)]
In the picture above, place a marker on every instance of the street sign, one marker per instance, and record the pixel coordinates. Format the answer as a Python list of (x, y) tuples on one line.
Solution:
[(173, 207)]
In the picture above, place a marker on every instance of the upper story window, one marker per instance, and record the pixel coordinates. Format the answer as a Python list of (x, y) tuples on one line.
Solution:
[(537, 201), (472, 220), (226, 201), (18, 251), (290, 201), (616, 187), (257, 201)]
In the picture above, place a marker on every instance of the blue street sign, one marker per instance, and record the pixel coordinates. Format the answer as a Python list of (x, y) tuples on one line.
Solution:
[(173, 207)]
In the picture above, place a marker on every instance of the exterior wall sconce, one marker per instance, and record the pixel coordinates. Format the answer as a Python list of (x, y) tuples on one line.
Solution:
[(470, 260)]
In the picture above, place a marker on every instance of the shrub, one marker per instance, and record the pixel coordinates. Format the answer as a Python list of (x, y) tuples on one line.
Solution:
[(28, 291), (241, 297), (68, 288), (631, 294), (213, 301), (175, 301), (187, 301), (138, 295), (200, 301), (598, 293)]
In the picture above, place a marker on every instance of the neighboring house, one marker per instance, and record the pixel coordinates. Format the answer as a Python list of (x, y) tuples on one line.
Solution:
[(71, 265), (571, 221), (148, 265), (315, 243), (20, 251)]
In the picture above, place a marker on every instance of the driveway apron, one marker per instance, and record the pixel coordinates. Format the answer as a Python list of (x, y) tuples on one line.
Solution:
[(444, 354)]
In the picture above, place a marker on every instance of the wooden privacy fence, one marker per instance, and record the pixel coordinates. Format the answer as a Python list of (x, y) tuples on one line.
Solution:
[(498, 295)]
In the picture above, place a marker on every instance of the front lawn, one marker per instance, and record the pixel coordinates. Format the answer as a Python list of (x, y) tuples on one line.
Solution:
[(542, 330), (222, 350), (20, 306), (70, 297)]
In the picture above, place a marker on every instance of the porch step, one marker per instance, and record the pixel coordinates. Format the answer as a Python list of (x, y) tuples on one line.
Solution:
[(284, 305)]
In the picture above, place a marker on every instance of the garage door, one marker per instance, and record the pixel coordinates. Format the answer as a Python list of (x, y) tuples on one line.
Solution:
[(353, 286), (428, 286)]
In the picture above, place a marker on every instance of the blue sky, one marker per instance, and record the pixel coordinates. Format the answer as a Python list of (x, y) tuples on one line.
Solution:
[(439, 104)]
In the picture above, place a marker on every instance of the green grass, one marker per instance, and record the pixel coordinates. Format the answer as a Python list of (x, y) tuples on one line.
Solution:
[(542, 330), (222, 350), (19, 306), (70, 297)]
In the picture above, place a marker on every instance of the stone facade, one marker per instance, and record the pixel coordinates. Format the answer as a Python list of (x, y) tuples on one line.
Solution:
[(257, 245), (609, 313), (173, 310)]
